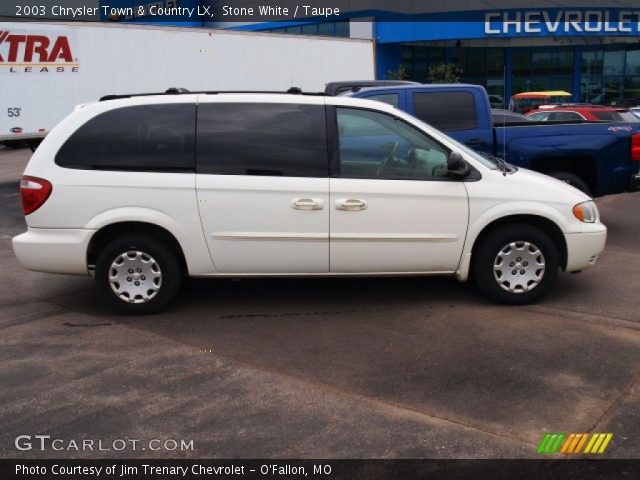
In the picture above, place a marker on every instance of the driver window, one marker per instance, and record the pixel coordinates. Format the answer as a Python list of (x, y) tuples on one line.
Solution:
[(376, 145)]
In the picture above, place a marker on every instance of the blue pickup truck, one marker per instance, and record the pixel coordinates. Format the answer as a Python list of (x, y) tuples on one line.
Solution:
[(598, 158)]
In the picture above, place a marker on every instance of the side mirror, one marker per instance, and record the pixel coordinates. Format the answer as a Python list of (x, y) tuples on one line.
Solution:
[(456, 166)]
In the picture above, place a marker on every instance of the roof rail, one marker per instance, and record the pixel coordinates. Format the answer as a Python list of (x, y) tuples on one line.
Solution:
[(178, 91)]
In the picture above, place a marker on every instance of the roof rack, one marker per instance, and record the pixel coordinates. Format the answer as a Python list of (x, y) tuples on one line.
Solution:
[(179, 91)]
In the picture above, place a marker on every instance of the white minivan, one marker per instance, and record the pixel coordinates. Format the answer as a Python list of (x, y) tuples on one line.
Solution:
[(143, 190)]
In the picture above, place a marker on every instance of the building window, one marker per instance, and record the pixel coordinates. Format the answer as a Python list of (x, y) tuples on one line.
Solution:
[(495, 62), (521, 60), (341, 29), (327, 29), (608, 73), (481, 66), (416, 60), (613, 63), (538, 69), (633, 62), (541, 63)]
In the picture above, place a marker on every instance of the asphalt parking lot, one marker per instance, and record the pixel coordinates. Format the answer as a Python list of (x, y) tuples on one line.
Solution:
[(323, 368)]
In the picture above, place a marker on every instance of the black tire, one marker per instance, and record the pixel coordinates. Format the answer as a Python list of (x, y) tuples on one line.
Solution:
[(486, 253), (573, 180), (166, 264)]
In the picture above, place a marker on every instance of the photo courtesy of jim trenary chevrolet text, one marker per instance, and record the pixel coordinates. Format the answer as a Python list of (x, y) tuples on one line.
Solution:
[(319, 239)]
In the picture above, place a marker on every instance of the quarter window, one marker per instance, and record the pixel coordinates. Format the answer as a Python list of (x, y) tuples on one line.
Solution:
[(139, 138), (377, 145), (262, 139), (446, 111)]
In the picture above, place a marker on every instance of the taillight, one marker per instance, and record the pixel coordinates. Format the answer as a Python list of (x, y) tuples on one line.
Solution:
[(33, 193), (635, 147)]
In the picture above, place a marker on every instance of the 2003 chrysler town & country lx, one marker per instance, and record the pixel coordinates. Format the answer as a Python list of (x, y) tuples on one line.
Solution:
[(143, 190)]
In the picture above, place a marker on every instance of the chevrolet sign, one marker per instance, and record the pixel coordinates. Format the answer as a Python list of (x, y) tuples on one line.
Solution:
[(563, 22)]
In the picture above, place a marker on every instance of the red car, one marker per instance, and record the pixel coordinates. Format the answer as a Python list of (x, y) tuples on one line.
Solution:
[(581, 112)]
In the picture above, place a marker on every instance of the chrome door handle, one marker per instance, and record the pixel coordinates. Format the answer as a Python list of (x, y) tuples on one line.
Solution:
[(307, 204), (351, 204)]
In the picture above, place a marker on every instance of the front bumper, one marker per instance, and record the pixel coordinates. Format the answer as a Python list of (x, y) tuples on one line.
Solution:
[(53, 250), (583, 248)]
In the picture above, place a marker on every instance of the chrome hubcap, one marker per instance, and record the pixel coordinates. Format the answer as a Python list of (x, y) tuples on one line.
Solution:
[(135, 276), (519, 267)]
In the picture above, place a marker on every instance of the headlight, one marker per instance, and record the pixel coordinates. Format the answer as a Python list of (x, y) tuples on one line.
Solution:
[(586, 212)]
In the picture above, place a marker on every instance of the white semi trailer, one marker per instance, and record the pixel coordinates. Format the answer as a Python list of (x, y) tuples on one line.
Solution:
[(48, 68)]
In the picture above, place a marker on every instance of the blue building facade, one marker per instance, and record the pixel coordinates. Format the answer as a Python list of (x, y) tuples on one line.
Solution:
[(592, 53)]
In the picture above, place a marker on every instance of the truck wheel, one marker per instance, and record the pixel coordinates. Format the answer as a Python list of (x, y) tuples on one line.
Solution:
[(573, 180), (515, 264), (137, 274)]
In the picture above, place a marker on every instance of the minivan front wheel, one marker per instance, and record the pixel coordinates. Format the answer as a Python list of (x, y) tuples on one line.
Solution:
[(137, 274), (515, 264)]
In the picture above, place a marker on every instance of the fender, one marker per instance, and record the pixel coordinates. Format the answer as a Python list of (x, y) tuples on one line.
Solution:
[(502, 210), (194, 248)]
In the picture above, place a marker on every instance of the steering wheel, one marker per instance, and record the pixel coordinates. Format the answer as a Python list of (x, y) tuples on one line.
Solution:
[(388, 158)]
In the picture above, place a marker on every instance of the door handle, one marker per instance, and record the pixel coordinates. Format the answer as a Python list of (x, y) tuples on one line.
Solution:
[(351, 204), (307, 204)]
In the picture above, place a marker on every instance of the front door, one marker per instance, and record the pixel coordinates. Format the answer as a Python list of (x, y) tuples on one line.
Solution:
[(393, 206)]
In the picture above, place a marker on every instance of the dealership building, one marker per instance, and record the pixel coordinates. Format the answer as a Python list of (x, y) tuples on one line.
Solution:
[(593, 52)]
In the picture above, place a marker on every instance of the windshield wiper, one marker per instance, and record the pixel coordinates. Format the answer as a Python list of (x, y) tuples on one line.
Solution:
[(501, 164)]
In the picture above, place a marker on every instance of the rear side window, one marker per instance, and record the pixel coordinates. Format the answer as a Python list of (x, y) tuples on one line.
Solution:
[(539, 117), (605, 115), (390, 98), (446, 111), (139, 138), (564, 116), (262, 139)]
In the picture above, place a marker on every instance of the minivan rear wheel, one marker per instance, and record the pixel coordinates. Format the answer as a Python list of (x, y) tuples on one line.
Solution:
[(137, 274), (515, 264)]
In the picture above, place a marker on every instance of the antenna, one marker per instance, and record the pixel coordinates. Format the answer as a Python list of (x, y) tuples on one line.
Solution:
[(504, 123)]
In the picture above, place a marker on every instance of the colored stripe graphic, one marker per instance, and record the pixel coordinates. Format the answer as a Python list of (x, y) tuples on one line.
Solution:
[(598, 443), (572, 443), (551, 442)]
